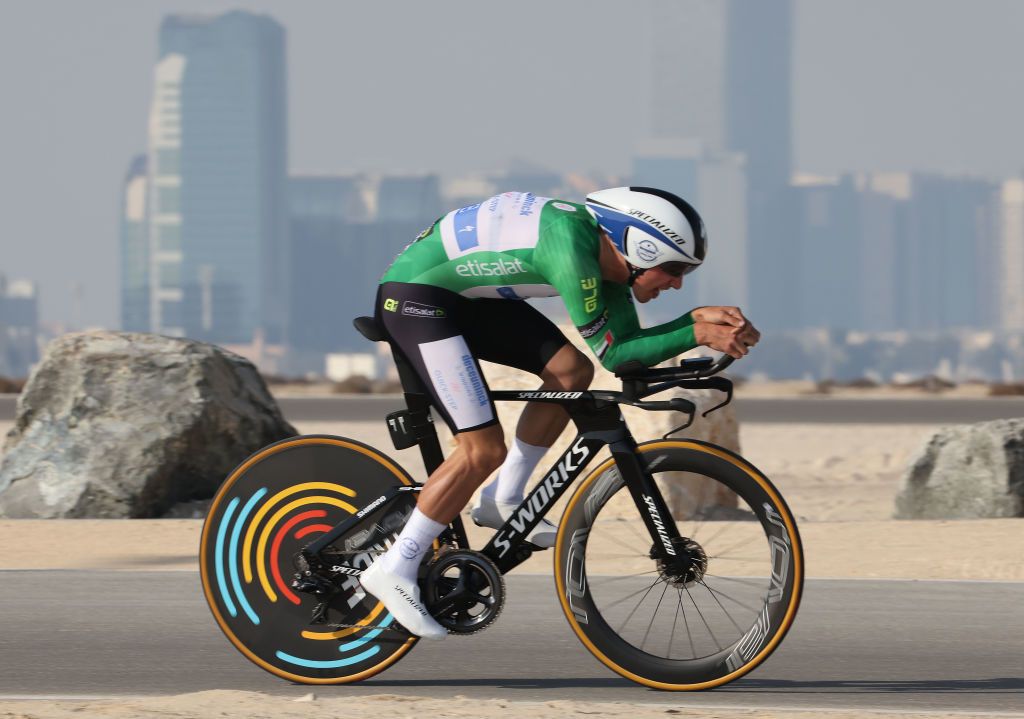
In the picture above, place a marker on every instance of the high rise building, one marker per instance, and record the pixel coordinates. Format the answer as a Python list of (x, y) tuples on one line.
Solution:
[(344, 233), (408, 198), (688, 88), (883, 202), (721, 76), (891, 251), (828, 275), (217, 179), (949, 278), (135, 249), (344, 198), (19, 326), (332, 273), (758, 78), (1010, 215), (757, 85)]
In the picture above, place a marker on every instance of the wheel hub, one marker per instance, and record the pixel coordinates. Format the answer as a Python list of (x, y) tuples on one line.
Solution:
[(687, 567)]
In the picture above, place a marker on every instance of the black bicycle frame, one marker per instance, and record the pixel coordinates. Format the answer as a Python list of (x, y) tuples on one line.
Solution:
[(599, 421)]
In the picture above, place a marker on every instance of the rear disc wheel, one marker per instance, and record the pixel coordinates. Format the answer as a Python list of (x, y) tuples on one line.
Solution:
[(276, 502)]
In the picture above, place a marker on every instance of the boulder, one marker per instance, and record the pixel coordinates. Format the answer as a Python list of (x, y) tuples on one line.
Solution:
[(127, 425), (685, 493), (967, 472)]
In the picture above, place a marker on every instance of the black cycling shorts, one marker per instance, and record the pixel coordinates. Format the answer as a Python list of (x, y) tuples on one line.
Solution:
[(442, 335)]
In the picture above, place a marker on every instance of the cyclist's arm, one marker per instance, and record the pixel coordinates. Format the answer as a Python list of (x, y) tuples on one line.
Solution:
[(603, 312), (649, 345)]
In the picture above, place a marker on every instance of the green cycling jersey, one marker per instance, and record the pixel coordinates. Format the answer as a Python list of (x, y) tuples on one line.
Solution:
[(517, 245)]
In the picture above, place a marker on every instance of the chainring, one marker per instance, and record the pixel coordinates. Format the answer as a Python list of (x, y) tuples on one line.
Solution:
[(464, 591)]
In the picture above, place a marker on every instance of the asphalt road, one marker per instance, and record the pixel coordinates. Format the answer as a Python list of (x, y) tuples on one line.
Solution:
[(938, 410), (955, 646)]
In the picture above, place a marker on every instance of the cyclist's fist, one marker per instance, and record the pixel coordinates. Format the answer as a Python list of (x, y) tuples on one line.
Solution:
[(734, 341), (732, 316), (725, 329)]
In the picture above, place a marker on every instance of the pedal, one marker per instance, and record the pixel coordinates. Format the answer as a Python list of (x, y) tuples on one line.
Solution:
[(400, 427)]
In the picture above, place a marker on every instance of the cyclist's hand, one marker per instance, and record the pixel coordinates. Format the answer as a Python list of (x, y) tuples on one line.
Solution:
[(734, 341), (732, 316)]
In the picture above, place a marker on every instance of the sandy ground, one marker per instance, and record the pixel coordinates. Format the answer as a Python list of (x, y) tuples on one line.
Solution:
[(840, 481), (251, 705)]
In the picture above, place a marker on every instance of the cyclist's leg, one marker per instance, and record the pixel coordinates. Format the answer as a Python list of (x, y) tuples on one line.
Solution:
[(561, 367), (424, 324), (477, 454), (541, 423)]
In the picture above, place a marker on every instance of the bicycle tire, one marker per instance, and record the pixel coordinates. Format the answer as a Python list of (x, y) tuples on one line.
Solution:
[(276, 501), (767, 585)]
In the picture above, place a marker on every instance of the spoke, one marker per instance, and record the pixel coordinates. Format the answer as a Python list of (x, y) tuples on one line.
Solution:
[(672, 636), (728, 559), (630, 596), (745, 542), (624, 542), (651, 623), (701, 615), (718, 593), (686, 623), (643, 539), (750, 582), (624, 623), (619, 579), (634, 555), (725, 526), (700, 502), (722, 607)]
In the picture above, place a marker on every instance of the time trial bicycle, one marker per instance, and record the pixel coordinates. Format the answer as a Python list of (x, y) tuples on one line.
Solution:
[(679, 601)]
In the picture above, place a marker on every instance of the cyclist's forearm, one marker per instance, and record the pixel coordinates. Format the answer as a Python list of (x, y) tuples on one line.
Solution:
[(650, 348), (687, 320)]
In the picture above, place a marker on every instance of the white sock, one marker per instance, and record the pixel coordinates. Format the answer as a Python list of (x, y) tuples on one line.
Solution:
[(522, 459), (415, 539)]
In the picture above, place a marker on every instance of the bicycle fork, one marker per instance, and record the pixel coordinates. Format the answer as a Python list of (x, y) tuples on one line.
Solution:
[(665, 537)]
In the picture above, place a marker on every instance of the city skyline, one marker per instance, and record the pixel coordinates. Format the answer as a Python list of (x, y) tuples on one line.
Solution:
[(96, 227)]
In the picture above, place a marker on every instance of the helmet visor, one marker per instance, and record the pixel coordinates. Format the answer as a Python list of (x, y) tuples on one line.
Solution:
[(677, 269)]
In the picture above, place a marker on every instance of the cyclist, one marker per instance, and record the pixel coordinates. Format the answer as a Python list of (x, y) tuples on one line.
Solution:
[(453, 297)]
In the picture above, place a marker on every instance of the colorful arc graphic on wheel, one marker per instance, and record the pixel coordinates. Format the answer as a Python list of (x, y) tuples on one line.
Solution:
[(267, 562), (260, 519)]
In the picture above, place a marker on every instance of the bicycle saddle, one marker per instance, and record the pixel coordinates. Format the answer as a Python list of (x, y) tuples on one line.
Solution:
[(369, 328)]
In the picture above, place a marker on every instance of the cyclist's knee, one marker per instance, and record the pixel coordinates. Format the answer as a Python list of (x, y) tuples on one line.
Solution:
[(584, 372), (569, 369)]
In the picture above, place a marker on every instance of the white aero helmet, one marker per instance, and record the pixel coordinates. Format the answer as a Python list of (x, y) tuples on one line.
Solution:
[(651, 228)]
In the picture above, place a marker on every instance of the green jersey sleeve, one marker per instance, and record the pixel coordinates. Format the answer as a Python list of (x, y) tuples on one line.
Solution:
[(627, 340), (603, 312)]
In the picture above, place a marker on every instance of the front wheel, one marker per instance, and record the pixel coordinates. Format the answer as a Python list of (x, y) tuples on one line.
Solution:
[(709, 616)]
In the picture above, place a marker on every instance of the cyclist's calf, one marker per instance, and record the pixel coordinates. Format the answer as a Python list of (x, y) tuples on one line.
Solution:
[(483, 451)]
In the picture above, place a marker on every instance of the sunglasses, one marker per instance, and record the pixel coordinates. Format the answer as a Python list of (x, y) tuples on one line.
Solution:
[(677, 269)]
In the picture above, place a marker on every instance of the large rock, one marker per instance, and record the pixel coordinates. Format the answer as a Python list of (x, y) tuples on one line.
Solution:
[(967, 472), (685, 493), (127, 425)]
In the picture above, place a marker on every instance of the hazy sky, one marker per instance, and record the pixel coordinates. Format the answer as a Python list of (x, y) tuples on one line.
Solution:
[(469, 85)]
